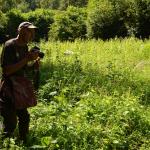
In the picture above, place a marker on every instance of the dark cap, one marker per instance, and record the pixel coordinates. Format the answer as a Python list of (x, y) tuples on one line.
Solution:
[(26, 24)]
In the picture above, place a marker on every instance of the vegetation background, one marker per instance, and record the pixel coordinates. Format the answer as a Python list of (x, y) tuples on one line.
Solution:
[(95, 84), (84, 19)]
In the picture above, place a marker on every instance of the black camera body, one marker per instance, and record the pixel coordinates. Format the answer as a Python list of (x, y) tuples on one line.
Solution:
[(37, 49)]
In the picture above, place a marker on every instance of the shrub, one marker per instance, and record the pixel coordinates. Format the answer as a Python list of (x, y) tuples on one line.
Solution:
[(3, 22), (109, 18), (15, 17), (69, 25), (137, 17), (127, 13), (52, 4), (104, 20), (78, 3), (6, 6), (143, 18), (42, 18)]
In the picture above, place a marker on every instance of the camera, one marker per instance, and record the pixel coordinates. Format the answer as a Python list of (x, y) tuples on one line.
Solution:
[(37, 49)]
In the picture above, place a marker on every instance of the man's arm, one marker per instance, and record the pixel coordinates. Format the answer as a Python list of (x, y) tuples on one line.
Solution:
[(10, 69)]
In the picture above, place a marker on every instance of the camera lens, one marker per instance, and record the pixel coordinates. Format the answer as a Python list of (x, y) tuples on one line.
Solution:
[(35, 48), (41, 54)]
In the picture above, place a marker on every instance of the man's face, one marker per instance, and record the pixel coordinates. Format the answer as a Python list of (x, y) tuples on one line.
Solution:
[(30, 34), (27, 34)]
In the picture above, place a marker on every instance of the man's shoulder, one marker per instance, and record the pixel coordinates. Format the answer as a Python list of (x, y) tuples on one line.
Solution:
[(10, 42)]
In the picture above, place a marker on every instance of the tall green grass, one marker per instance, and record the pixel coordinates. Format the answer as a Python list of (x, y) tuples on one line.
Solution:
[(93, 95)]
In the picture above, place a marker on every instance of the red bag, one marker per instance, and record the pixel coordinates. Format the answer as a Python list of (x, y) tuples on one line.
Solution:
[(23, 92)]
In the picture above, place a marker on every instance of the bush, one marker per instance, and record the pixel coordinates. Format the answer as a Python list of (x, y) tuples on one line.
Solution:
[(15, 17), (104, 20), (69, 25), (3, 22), (21, 5), (143, 18), (42, 19), (110, 18), (52, 4), (137, 17), (78, 3)]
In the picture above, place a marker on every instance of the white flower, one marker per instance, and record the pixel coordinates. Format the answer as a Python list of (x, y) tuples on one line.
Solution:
[(68, 52)]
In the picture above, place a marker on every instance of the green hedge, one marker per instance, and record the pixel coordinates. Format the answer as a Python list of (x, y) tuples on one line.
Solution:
[(3, 22), (110, 18), (64, 4), (104, 20), (101, 19), (42, 18), (143, 18), (69, 25), (15, 17)]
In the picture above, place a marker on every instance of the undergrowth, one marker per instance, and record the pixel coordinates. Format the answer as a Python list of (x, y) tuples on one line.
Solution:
[(93, 95)]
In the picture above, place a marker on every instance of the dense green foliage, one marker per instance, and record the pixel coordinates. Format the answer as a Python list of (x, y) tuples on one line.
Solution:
[(110, 18), (13, 4), (14, 19), (93, 95), (69, 25), (42, 19), (27, 5), (143, 18), (103, 19), (3, 22)]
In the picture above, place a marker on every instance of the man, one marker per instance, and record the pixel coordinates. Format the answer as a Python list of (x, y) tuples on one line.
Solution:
[(14, 59)]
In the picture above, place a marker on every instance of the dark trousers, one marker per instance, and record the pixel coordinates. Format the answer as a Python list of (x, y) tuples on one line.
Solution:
[(11, 116)]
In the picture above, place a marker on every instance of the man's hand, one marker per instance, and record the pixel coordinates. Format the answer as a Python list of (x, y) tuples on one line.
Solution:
[(37, 64), (32, 56)]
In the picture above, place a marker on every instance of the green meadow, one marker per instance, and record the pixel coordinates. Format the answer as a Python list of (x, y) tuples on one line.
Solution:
[(93, 95)]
